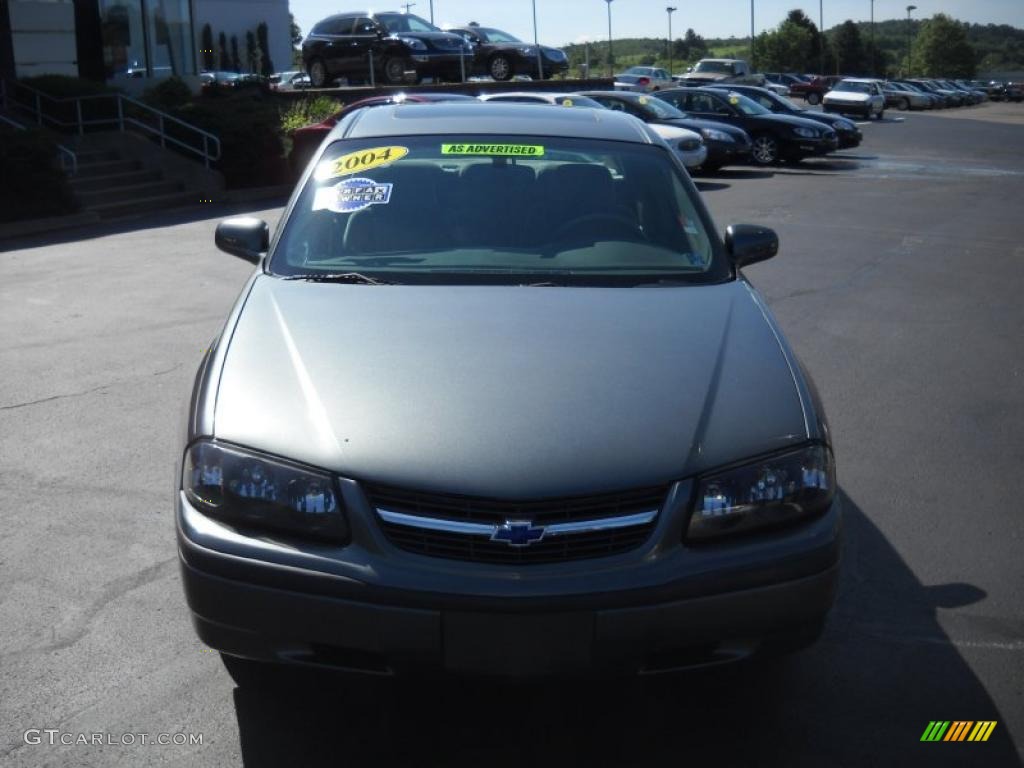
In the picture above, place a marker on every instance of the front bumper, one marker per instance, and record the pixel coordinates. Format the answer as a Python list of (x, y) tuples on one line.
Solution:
[(849, 139), (727, 152), (369, 607), (693, 158), (448, 64)]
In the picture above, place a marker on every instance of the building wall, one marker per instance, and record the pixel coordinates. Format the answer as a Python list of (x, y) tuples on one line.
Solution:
[(43, 37), (236, 17)]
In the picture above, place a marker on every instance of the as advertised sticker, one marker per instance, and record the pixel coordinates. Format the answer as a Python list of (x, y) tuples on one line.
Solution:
[(734, 100), (643, 99), (366, 159), (500, 150), (566, 102), (352, 195)]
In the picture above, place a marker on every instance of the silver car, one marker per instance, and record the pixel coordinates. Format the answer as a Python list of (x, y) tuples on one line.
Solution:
[(498, 400)]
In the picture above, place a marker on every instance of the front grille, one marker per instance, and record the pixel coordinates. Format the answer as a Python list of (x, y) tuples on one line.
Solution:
[(480, 549)]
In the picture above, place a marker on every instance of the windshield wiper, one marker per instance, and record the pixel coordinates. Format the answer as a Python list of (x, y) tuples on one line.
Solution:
[(354, 278)]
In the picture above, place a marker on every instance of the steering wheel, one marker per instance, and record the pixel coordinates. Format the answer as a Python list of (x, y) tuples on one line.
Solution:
[(599, 223)]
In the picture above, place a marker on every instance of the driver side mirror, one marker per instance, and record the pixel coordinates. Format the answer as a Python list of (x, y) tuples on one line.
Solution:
[(244, 236), (748, 244)]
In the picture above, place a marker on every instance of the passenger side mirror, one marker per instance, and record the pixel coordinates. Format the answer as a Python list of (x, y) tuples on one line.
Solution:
[(244, 236), (748, 244)]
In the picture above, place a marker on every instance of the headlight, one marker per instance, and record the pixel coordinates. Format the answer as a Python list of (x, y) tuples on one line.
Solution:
[(807, 133), (247, 489), (690, 145), (414, 43), (713, 135), (774, 491), (845, 125)]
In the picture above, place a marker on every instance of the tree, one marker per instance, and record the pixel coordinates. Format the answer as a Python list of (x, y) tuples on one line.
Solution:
[(814, 54), (696, 45), (207, 43), (788, 48), (236, 61), (251, 59), (849, 49), (261, 36), (942, 50), (295, 32), (222, 45)]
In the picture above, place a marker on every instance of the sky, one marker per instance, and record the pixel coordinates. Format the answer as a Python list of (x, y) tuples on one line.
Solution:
[(568, 21)]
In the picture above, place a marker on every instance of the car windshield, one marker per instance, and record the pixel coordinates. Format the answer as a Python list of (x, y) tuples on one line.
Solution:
[(497, 36), (849, 87), (499, 209), (745, 105), (659, 109), (721, 67), (396, 23)]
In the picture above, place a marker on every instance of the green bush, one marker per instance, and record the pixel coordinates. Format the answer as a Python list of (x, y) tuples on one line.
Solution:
[(249, 128), (34, 185), (168, 94), (307, 111)]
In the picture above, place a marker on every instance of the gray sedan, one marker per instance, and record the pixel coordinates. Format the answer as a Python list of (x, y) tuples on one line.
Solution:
[(498, 400)]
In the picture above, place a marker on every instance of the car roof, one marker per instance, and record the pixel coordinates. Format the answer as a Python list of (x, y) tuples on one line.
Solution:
[(859, 80), (484, 118)]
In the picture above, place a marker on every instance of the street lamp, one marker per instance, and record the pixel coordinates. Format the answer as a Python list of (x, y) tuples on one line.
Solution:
[(873, 73), (432, 11), (753, 67), (670, 10), (536, 44), (610, 74), (821, 36), (910, 36)]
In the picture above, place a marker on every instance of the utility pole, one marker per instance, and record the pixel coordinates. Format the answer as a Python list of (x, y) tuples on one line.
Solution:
[(432, 11), (670, 10), (610, 57), (910, 41), (407, 6)]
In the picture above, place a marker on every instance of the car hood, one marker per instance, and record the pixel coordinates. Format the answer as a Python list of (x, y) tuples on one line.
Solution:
[(668, 132), (791, 120), (509, 392), (696, 124), (706, 77), (846, 96)]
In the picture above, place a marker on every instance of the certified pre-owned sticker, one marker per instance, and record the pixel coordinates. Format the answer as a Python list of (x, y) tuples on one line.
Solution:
[(500, 150), (366, 159), (351, 195)]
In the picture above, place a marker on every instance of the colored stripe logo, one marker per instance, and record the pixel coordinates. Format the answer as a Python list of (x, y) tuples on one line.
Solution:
[(958, 730)]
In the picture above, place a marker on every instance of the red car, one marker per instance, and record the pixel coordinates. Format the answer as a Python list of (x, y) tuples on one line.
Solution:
[(305, 140), (813, 91)]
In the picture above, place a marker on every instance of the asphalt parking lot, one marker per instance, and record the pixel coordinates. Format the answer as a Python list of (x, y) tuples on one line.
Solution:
[(899, 284)]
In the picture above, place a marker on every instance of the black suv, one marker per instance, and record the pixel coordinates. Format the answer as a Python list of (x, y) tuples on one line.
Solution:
[(395, 43), (501, 55), (775, 137)]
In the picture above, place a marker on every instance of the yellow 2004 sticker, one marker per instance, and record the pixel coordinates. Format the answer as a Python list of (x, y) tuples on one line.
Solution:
[(501, 150), (366, 159)]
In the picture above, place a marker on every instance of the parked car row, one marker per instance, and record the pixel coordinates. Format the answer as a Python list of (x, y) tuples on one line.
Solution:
[(707, 127), (398, 47)]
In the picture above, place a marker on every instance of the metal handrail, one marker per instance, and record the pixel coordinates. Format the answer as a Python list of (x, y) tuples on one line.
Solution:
[(79, 123), (64, 151)]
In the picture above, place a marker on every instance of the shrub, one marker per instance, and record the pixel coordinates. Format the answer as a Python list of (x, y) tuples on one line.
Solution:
[(307, 111), (249, 128), (168, 94), (33, 185)]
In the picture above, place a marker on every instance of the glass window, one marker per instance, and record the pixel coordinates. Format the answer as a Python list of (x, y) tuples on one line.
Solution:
[(436, 210), (497, 36), (397, 23), (364, 27), (124, 47), (170, 38)]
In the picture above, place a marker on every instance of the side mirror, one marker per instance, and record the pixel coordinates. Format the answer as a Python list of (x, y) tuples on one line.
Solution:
[(748, 244), (245, 237)]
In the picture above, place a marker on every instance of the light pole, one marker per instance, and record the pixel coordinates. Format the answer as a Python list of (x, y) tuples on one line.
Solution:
[(536, 44), (910, 38), (610, 57), (873, 38), (407, 6), (432, 11), (821, 36), (670, 10), (753, 68)]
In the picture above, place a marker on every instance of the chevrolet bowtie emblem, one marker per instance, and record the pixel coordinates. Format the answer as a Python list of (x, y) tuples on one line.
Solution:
[(518, 533)]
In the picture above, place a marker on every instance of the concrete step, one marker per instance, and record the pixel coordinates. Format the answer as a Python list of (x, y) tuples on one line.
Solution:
[(90, 157), (107, 168), (146, 204), (97, 183), (91, 200)]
